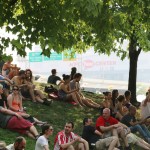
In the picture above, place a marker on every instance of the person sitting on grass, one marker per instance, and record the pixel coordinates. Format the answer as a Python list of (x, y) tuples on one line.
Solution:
[(19, 144), (39, 96), (84, 101), (145, 108), (93, 136), (6, 82), (67, 140), (134, 139), (14, 101), (112, 127), (127, 102), (13, 121), (52, 79), (42, 141), (134, 125), (120, 108), (106, 103), (73, 72), (27, 89), (114, 95), (64, 93)]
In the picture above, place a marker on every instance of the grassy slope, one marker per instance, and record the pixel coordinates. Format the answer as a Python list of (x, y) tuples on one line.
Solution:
[(56, 114)]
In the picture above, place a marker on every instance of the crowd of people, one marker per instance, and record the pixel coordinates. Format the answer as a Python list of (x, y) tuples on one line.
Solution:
[(117, 118)]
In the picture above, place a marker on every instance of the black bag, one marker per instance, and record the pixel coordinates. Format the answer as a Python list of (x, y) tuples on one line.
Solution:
[(50, 89)]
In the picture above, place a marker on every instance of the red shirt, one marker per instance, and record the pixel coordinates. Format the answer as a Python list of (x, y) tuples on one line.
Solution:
[(61, 138), (103, 122)]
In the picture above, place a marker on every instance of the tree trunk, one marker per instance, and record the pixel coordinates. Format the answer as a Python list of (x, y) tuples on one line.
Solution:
[(133, 55)]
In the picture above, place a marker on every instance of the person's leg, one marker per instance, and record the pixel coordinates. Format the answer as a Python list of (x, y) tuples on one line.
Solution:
[(41, 95), (31, 91), (142, 145), (139, 129), (74, 98), (87, 103), (70, 148), (38, 99), (145, 129), (29, 134), (92, 102), (123, 136), (115, 133), (38, 121), (34, 131), (80, 146), (113, 143)]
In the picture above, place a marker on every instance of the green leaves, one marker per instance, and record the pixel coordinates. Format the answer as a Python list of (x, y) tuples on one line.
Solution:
[(77, 24)]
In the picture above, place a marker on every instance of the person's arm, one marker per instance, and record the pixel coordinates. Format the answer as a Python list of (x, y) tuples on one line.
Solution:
[(46, 147), (104, 129), (98, 133), (65, 90), (7, 79), (86, 145), (9, 112), (120, 109), (66, 145), (123, 125)]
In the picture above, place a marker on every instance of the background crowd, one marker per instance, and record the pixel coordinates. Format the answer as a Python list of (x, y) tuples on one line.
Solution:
[(117, 119)]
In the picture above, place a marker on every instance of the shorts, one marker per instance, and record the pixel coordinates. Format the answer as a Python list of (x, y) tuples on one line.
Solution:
[(18, 125), (132, 138), (25, 93), (103, 144)]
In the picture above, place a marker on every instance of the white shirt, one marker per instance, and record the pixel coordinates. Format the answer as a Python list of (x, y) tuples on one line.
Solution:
[(41, 142), (10, 147), (145, 110)]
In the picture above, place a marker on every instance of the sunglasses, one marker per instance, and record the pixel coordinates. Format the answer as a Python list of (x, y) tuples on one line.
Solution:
[(15, 89)]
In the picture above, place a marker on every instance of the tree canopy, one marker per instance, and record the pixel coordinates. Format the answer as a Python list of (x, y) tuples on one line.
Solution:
[(63, 24)]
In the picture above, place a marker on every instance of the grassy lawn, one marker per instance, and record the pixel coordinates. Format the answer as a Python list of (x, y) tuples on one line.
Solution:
[(56, 114)]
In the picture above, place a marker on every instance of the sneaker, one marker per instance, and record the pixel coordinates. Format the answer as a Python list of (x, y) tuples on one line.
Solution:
[(47, 103)]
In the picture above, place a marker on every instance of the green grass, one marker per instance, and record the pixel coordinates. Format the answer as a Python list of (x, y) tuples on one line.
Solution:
[(56, 115)]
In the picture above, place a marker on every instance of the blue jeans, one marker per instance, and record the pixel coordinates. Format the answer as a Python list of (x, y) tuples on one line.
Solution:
[(142, 129)]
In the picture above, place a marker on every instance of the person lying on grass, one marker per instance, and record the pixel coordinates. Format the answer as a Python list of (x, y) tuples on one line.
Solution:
[(15, 122)]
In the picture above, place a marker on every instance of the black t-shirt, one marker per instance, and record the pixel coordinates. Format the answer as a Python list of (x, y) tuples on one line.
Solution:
[(89, 134), (2, 100), (128, 118), (52, 79)]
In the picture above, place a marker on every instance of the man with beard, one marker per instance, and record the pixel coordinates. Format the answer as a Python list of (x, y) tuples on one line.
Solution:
[(67, 140), (20, 144)]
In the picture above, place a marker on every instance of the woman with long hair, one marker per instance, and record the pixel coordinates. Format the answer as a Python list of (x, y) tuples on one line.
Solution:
[(39, 96), (14, 101), (74, 84), (120, 108), (65, 93)]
